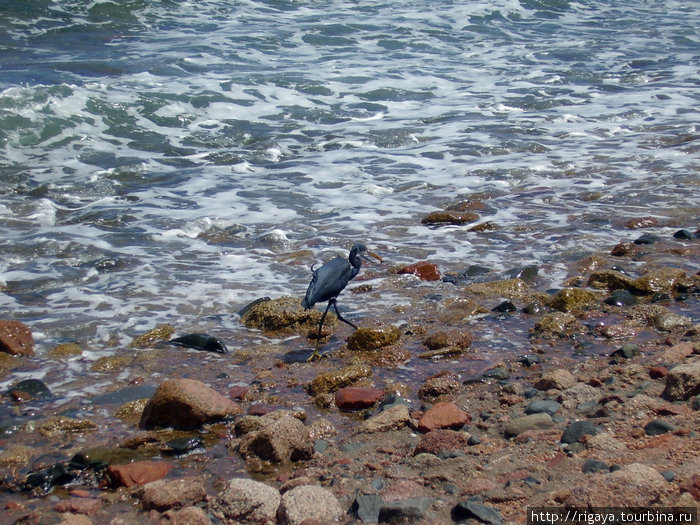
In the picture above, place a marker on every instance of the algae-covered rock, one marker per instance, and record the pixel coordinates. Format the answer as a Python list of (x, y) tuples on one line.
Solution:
[(558, 324), (610, 280), (364, 339), (284, 312), (151, 338), (450, 217), (661, 280), (505, 288), (569, 299), (337, 379), (111, 363), (442, 339), (56, 425), (65, 350)]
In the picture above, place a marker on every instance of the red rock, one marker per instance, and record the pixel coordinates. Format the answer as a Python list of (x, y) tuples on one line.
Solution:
[(658, 372), (238, 392), (16, 338), (678, 352), (479, 485), (186, 404), (355, 398), (424, 270), (692, 486), (440, 440), (443, 415), (138, 473)]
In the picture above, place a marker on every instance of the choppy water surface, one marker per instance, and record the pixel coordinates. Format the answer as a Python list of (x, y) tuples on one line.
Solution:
[(159, 161)]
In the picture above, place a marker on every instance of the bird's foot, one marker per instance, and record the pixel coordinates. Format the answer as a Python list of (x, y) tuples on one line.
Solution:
[(316, 356)]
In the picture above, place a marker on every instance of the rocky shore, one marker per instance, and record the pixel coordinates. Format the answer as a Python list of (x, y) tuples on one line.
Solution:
[(465, 397)]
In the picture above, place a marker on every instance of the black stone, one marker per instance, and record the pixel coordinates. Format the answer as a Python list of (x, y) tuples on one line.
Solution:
[(407, 510), (621, 298), (505, 307), (683, 235), (533, 308), (205, 342), (46, 478), (526, 273), (530, 359), (34, 387), (366, 507), (470, 509), (658, 427), (647, 238), (661, 297), (184, 445), (575, 431), (594, 465)]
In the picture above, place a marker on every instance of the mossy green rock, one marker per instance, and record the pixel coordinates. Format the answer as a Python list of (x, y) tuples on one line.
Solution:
[(111, 363), (509, 288), (661, 280), (569, 299), (610, 280), (364, 339), (557, 324), (65, 350), (337, 379), (151, 338), (285, 312)]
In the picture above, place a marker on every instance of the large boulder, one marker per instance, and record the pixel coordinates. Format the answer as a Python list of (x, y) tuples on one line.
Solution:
[(683, 382), (186, 404), (16, 338)]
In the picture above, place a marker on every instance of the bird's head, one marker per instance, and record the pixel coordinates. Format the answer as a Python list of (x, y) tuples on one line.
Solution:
[(360, 251)]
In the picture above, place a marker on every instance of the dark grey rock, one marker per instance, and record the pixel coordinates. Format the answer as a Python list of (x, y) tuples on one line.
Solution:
[(548, 406), (366, 507), (658, 427), (575, 431), (594, 465), (407, 510), (628, 351), (470, 509), (683, 235), (669, 475), (621, 298), (35, 388)]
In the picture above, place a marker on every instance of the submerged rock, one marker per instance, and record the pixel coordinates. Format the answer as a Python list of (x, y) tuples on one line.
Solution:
[(30, 389), (453, 217), (424, 270), (16, 338), (661, 280), (558, 324), (186, 404), (569, 299), (459, 338), (610, 280)]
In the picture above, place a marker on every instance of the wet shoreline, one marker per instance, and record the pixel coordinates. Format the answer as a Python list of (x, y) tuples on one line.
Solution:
[(491, 456)]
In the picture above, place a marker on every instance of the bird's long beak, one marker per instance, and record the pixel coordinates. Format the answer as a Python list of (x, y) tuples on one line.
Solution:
[(372, 254)]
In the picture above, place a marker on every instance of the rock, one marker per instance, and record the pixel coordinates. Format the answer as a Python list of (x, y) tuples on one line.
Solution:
[(285, 312), (246, 501), (281, 441), (657, 427), (79, 506), (186, 516), (186, 404), (16, 455), (594, 465), (424, 270), (164, 494), (576, 430), (337, 379), (97, 458), (16, 338), (364, 339), (65, 350), (439, 385), (509, 288), (366, 507), (453, 217), (683, 382), (526, 273), (634, 485), (151, 338), (661, 280), (671, 322), (522, 424), (692, 486), (30, 389), (559, 379), (410, 510), (442, 339), (678, 353), (569, 299), (443, 415), (647, 238), (609, 280), (622, 298), (392, 418), (309, 502), (473, 510), (548, 406), (137, 473), (56, 425), (657, 372), (441, 441), (557, 324), (355, 398), (683, 235), (627, 351)]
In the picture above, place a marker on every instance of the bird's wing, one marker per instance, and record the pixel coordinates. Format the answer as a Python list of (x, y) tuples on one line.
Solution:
[(328, 281)]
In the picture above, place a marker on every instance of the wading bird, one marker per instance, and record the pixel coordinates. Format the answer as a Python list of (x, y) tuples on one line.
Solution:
[(329, 280)]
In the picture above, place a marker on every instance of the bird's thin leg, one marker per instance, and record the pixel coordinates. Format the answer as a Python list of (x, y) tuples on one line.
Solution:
[(316, 355), (340, 316)]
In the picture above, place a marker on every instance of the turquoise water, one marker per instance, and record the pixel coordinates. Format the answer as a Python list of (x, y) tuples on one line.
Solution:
[(160, 160)]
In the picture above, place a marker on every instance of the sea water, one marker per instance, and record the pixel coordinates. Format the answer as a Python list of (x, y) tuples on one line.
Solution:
[(170, 161)]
